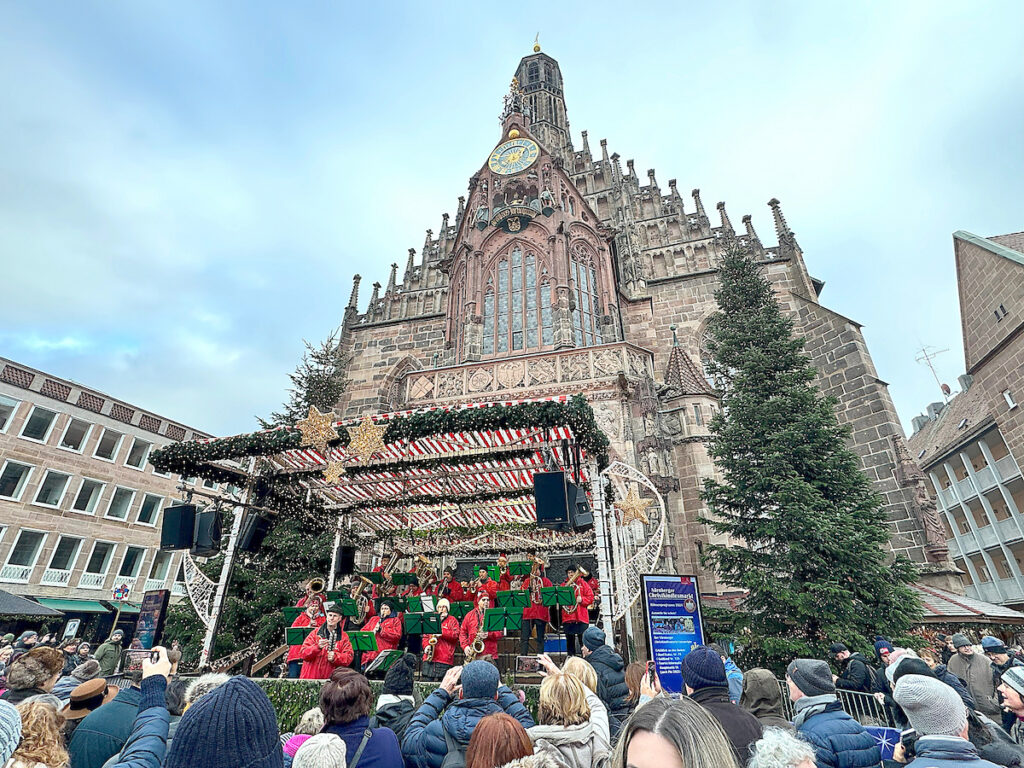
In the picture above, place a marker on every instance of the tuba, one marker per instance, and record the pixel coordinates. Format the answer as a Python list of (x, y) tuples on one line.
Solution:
[(315, 588), (388, 588), (362, 601), (424, 571), (536, 581)]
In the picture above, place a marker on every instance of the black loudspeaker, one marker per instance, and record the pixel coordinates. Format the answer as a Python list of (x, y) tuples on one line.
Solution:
[(580, 515), (206, 539), (176, 529), (254, 529), (346, 562), (550, 494)]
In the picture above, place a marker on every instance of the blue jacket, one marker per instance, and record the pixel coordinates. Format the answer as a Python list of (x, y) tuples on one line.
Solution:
[(734, 676), (102, 733), (424, 744), (147, 744), (839, 741), (382, 750), (947, 752)]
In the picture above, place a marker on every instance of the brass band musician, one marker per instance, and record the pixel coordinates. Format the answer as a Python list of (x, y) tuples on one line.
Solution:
[(536, 615), (575, 618)]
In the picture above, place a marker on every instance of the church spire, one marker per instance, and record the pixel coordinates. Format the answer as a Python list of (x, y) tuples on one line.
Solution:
[(752, 239), (410, 265), (393, 279), (353, 299), (726, 224), (539, 80), (787, 240)]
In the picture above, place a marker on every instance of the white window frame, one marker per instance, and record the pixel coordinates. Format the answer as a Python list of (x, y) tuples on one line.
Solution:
[(152, 564), (159, 508), (106, 571), (160, 474), (117, 448), (63, 493), (74, 560), (99, 497), (49, 429), (85, 438), (17, 405), (145, 456), (35, 560), (28, 478), (127, 510), (124, 556)]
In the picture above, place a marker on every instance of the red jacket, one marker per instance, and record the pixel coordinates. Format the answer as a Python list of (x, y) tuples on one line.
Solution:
[(470, 626), (504, 583), (452, 593), (387, 639), (302, 620), (595, 587), (316, 664), (444, 651), (586, 598), (491, 589), (538, 610)]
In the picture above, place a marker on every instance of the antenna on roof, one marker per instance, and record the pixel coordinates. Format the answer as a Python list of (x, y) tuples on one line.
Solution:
[(926, 356)]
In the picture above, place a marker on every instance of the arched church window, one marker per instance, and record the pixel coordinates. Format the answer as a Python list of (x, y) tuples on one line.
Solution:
[(586, 318), (513, 307)]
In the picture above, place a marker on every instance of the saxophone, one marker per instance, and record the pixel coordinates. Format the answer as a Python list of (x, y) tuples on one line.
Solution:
[(431, 644), (477, 646)]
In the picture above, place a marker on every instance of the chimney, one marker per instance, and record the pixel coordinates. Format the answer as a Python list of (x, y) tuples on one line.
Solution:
[(918, 423), (934, 409), (965, 381)]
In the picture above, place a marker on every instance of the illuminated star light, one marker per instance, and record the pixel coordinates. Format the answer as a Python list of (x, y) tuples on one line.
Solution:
[(333, 471), (633, 507), (316, 429), (367, 439)]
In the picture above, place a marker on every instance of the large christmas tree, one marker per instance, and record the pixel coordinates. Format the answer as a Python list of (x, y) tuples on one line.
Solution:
[(809, 539)]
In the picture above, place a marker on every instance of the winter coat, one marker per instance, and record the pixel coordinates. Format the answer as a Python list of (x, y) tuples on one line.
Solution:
[(452, 593), (580, 612), (63, 688), (387, 638), (316, 661), (18, 695), (533, 761), (839, 741), (302, 620), (955, 683), (147, 743), (855, 675), (741, 727), (447, 641), (734, 676), (103, 732), (468, 631), (947, 752), (534, 610), (611, 685), (424, 745), (762, 697), (992, 742), (108, 654), (70, 662), (587, 745), (490, 589), (382, 750), (393, 712), (976, 671)]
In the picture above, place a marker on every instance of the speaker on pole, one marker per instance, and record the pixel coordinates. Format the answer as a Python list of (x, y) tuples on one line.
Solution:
[(550, 495), (346, 562), (254, 529), (206, 538), (580, 515), (177, 527)]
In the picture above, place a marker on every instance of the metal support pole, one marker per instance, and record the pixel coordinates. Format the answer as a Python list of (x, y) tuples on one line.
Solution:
[(604, 565), (623, 588), (334, 555)]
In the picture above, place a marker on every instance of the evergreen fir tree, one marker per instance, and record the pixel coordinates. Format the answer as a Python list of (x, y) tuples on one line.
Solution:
[(809, 539), (318, 380)]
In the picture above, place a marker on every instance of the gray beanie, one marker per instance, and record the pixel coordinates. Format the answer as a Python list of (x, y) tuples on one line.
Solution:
[(325, 750), (812, 676), (1014, 678), (933, 708), (960, 640), (87, 670), (10, 730), (480, 680)]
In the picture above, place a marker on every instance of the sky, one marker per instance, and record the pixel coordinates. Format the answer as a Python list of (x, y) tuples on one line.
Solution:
[(187, 188)]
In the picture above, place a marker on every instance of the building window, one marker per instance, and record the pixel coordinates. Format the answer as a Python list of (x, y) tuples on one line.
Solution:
[(210, 484), (149, 509), (138, 454), (96, 568), (8, 407), (23, 555), (88, 497), (75, 435), (106, 448), (37, 426), (65, 553), (1000, 312), (161, 566), (533, 72), (1008, 397), (698, 415), (120, 503), (51, 490), (512, 306), (13, 479), (132, 562), (586, 318)]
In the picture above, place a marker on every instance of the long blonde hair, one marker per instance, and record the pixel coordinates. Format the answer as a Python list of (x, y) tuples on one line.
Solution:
[(563, 700), (687, 726), (582, 671), (41, 739)]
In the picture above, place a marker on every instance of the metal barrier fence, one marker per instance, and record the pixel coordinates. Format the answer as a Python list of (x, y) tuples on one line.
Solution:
[(862, 707)]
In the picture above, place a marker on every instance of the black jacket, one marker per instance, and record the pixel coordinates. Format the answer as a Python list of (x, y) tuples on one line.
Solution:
[(742, 728), (393, 714), (855, 675), (611, 686), (18, 695)]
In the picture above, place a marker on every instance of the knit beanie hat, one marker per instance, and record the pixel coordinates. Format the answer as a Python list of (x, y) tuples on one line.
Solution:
[(443, 603), (292, 745), (933, 708), (232, 726), (27, 634), (593, 638), (907, 665), (9, 638), (87, 670), (399, 681), (812, 676), (991, 644), (837, 648), (896, 658), (479, 680), (325, 750), (703, 668), (960, 640), (10, 730), (1014, 678), (880, 643)]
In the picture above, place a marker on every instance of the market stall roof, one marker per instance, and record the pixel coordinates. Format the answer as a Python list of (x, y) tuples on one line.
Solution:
[(15, 605), (67, 605)]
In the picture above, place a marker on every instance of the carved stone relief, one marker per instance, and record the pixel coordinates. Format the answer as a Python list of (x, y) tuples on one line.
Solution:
[(575, 367)]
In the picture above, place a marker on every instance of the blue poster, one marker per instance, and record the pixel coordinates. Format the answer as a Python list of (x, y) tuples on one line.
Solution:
[(672, 612)]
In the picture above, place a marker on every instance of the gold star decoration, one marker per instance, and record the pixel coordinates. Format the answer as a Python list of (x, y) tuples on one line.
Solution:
[(366, 439), (633, 507), (333, 471), (316, 429)]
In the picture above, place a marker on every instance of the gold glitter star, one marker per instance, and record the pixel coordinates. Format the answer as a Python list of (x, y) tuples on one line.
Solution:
[(316, 429), (633, 507), (333, 471), (367, 439)]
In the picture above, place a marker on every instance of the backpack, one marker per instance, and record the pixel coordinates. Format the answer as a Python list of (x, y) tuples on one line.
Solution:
[(456, 757)]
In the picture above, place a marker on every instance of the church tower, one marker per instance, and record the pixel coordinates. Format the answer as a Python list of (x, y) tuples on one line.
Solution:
[(541, 80)]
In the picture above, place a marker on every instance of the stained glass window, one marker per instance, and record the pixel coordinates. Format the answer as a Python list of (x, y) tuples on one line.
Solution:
[(513, 311), (489, 322), (586, 318)]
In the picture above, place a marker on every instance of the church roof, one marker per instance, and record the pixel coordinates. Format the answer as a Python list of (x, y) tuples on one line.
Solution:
[(684, 376), (1008, 246), (961, 420)]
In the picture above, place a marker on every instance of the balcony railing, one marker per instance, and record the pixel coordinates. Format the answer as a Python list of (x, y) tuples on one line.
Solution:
[(1007, 467), (948, 497), (55, 577), (128, 581), (986, 479), (966, 488), (152, 584), (18, 573), (92, 580)]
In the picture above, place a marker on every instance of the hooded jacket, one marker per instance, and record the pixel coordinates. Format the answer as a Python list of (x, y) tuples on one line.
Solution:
[(108, 654), (855, 675), (393, 712), (947, 752), (762, 698), (611, 685), (839, 741), (424, 745), (741, 727), (734, 677), (976, 671), (587, 745)]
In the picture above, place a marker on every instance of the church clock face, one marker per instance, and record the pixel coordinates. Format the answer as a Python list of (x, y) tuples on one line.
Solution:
[(513, 156)]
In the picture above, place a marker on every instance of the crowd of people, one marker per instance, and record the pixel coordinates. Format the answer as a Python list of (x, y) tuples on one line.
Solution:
[(593, 712)]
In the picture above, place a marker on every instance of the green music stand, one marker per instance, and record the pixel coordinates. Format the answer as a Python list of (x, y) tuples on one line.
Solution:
[(422, 603), (402, 579), (297, 635), (515, 598), (497, 619), (400, 603), (557, 596), (291, 613), (363, 641), (422, 623), (461, 608), (349, 607), (384, 662), (374, 576), (520, 568)]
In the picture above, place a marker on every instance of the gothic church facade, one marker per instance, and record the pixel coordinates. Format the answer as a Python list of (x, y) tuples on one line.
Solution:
[(561, 272)]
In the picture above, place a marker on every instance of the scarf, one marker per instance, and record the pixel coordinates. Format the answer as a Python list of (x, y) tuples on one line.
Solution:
[(811, 705), (325, 631)]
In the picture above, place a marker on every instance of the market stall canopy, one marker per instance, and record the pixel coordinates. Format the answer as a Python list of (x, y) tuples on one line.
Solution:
[(15, 605), (67, 605)]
